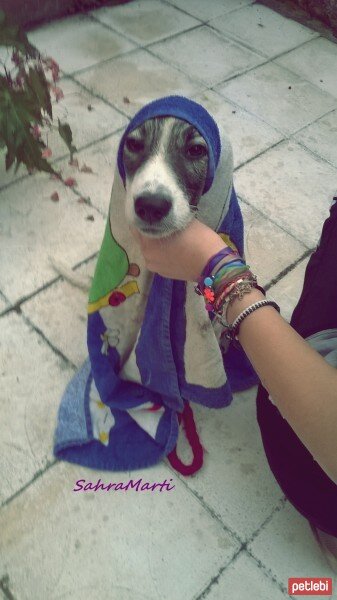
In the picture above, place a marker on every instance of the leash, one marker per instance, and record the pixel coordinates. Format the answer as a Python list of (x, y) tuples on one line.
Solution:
[(187, 418)]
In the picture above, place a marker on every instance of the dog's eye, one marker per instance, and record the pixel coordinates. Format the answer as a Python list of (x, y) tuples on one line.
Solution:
[(196, 151), (134, 145)]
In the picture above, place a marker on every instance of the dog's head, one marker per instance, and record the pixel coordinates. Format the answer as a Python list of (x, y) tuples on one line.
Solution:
[(165, 161)]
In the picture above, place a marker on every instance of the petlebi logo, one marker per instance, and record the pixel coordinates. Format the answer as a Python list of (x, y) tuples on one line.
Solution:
[(310, 586)]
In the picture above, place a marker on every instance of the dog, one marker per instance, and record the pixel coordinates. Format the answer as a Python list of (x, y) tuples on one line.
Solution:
[(165, 161)]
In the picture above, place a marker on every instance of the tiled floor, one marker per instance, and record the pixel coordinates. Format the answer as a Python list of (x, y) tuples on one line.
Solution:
[(228, 532)]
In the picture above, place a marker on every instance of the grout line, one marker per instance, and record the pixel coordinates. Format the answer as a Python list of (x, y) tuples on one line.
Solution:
[(329, 112), (36, 476), (205, 22), (280, 504), (206, 507), (112, 29), (271, 60), (231, 38), (216, 577), (89, 145), (264, 151), (178, 68), (268, 573), (246, 45), (182, 10), (244, 547), (102, 62), (251, 114), (292, 50), (17, 305), (301, 77), (173, 36), (98, 96), (56, 351), (259, 211), (315, 155), (288, 269)]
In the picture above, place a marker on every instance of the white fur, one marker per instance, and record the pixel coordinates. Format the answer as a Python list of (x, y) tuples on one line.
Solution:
[(154, 173)]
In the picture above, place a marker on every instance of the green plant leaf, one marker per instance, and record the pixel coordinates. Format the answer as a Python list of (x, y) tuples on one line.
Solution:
[(37, 82), (67, 136), (17, 116)]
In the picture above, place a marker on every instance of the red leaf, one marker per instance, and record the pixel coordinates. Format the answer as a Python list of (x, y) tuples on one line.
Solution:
[(46, 153), (36, 132), (70, 182), (57, 93), (55, 197), (86, 169)]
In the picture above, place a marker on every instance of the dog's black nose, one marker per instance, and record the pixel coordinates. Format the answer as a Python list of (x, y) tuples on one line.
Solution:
[(152, 207)]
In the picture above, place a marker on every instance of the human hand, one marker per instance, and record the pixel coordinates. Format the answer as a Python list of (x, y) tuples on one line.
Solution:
[(183, 255)]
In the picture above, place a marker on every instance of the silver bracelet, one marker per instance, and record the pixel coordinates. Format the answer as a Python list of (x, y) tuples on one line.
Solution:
[(232, 330)]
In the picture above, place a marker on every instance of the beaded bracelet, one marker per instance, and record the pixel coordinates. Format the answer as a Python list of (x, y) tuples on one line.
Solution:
[(231, 331)]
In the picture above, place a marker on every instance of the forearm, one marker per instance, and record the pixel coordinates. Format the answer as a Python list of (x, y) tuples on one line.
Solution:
[(301, 383)]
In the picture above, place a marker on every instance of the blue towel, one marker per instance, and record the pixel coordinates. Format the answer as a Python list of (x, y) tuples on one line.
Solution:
[(152, 345)]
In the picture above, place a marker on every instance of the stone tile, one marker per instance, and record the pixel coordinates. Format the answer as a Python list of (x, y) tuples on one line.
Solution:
[(235, 481), (265, 92), (60, 312), (264, 245), (138, 77), (316, 62), (209, 10), (101, 158), (287, 548), (263, 30), (248, 134), (206, 56), (287, 291), (145, 21), (290, 186), (78, 42), (33, 227), (145, 545), (32, 381), (244, 579), (320, 137), (87, 125)]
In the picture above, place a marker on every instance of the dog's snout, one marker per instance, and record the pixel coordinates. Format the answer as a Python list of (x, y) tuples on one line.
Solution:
[(152, 207)]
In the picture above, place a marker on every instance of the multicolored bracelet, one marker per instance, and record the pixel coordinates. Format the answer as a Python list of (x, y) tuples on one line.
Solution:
[(222, 280), (214, 260)]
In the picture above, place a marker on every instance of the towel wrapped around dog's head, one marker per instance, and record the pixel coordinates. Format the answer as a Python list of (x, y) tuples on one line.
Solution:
[(152, 345)]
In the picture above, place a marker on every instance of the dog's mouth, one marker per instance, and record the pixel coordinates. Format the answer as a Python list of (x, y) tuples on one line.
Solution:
[(164, 228)]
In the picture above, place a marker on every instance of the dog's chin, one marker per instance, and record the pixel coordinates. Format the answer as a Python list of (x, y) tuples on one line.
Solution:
[(162, 231)]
